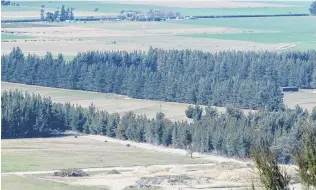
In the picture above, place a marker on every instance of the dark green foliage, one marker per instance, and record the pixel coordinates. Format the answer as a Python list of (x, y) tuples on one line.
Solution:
[(306, 157), (26, 115), (231, 133), (63, 15), (270, 174), (5, 3), (312, 9), (194, 112), (242, 79)]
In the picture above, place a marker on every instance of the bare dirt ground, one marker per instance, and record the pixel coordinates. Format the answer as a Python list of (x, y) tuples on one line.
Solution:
[(205, 4), (219, 173)]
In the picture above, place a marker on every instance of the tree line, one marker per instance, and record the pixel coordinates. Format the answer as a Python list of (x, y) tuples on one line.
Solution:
[(231, 133), (63, 15), (243, 79)]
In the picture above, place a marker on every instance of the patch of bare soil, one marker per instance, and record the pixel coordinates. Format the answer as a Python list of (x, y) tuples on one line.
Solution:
[(173, 180)]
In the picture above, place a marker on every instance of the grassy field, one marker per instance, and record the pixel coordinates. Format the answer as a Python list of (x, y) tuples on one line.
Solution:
[(69, 152), (13, 182), (274, 30), (13, 37), (116, 7)]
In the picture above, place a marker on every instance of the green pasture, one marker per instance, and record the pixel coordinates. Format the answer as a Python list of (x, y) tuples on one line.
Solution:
[(13, 37), (13, 182), (117, 7), (299, 30), (259, 37)]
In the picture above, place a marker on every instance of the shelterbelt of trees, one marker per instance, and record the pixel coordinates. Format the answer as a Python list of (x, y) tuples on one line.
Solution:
[(243, 79), (231, 133)]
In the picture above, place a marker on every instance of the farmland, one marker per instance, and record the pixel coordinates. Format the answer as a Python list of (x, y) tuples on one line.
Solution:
[(30, 163), (204, 171), (13, 37), (246, 34), (273, 30)]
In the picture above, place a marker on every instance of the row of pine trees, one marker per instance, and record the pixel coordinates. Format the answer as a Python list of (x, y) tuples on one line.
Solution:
[(231, 133), (243, 79)]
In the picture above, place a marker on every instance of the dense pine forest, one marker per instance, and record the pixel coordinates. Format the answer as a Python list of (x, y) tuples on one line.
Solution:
[(231, 133), (242, 79)]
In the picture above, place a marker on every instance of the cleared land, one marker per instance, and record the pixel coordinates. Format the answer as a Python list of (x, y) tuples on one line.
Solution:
[(276, 34), (130, 36), (13, 37), (274, 30), (138, 162), (14, 182), (193, 8), (69, 152)]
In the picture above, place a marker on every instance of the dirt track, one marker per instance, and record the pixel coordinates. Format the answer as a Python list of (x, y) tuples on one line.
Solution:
[(220, 173)]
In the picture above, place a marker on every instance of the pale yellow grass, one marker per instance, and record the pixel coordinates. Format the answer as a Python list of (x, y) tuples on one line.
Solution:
[(304, 98), (93, 32), (221, 172), (204, 3), (36, 14), (132, 43), (69, 152)]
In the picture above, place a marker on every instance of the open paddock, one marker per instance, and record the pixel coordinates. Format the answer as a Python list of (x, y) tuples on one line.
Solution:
[(69, 152), (161, 167)]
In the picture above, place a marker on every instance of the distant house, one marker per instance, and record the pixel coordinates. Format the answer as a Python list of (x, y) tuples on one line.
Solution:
[(289, 89)]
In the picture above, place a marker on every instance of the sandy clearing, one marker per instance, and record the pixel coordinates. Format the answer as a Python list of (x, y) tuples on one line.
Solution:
[(205, 4)]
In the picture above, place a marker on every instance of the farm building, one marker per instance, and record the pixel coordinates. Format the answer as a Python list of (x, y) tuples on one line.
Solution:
[(289, 89)]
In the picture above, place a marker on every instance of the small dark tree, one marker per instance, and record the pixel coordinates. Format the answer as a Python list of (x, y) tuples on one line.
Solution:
[(49, 17), (271, 176), (71, 14), (194, 112), (306, 160), (96, 9), (312, 9), (189, 112), (63, 15), (42, 14)]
